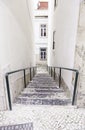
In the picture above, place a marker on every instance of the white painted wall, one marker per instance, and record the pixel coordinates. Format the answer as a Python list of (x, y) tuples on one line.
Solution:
[(39, 41), (65, 20), (37, 23), (16, 39), (16, 28), (80, 56)]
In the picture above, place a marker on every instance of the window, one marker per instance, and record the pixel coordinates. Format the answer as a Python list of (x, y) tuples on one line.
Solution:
[(54, 39), (42, 5), (43, 53), (43, 30), (55, 3)]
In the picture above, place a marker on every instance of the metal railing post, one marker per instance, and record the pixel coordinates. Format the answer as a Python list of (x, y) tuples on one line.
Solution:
[(36, 69), (8, 92), (47, 67), (54, 73), (75, 88), (33, 72), (24, 78), (51, 71), (30, 75), (60, 78)]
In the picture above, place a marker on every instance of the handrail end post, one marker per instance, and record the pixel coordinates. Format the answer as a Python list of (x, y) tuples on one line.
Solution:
[(60, 78), (75, 88), (8, 92), (54, 73), (30, 74), (51, 71), (24, 78)]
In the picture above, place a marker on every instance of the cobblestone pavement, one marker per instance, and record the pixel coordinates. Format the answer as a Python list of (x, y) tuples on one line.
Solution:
[(42, 90), (46, 117)]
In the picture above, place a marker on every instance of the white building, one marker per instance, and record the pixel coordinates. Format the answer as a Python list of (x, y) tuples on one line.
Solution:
[(16, 44), (41, 30), (63, 25)]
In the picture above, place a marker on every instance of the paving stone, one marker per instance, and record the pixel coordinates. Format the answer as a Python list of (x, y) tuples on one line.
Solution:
[(46, 117)]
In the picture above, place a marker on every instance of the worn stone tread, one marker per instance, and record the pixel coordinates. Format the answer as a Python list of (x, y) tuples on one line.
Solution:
[(42, 90), (43, 101)]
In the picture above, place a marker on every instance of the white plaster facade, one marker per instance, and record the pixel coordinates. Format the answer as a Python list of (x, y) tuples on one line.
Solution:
[(16, 44), (63, 19), (80, 55), (40, 17)]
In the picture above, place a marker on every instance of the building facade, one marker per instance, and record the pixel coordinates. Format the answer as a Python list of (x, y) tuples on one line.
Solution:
[(63, 25), (80, 55), (16, 45), (41, 31)]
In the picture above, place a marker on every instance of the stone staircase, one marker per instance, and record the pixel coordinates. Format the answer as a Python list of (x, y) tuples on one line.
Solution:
[(42, 90), (37, 108)]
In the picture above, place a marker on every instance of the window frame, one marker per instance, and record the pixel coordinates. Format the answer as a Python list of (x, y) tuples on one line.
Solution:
[(43, 59), (55, 3), (54, 40), (43, 28)]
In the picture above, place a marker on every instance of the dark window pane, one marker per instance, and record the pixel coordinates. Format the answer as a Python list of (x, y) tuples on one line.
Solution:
[(41, 32)]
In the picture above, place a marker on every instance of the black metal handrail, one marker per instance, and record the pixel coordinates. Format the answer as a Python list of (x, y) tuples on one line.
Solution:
[(50, 68), (17, 71)]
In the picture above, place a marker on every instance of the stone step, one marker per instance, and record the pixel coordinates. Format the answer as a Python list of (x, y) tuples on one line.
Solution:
[(41, 79), (43, 87), (42, 95), (28, 126), (44, 84), (27, 101), (40, 90), (46, 90), (36, 95)]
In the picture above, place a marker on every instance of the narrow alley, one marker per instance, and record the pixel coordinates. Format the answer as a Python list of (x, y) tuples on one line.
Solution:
[(42, 64)]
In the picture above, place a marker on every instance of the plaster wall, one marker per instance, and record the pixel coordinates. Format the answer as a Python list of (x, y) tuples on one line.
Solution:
[(80, 56), (40, 42), (64, 22), (16, 43), (37, 23)]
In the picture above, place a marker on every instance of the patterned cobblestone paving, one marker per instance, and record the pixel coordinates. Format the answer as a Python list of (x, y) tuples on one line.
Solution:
[(46, 117)]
